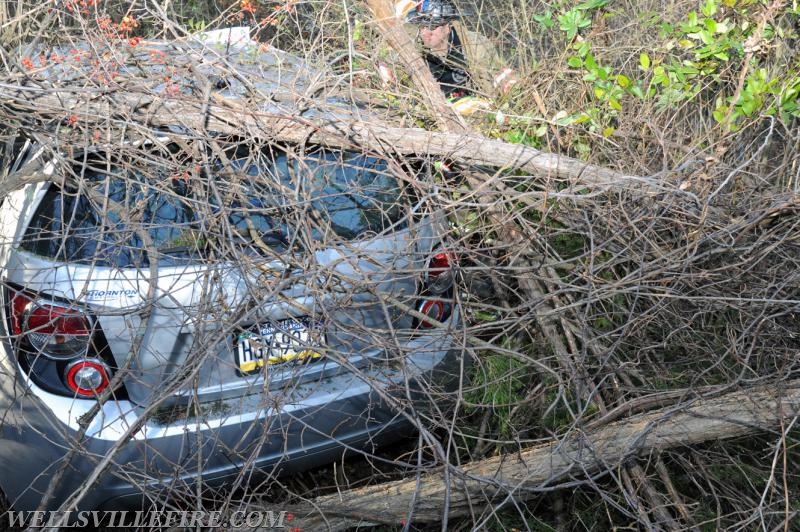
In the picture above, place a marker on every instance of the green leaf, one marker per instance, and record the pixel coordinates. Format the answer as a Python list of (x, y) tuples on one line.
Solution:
[(545, 20), (709, 8), (724, 26), (513, 137), (480, 315), (636, 90), (358, 30), (719, 114), (660, 76), (790, 94), (614, 104), (561, 118), (575, 62), (591, 4), (599, 93), (583, 48), (581, 118), (644, 61), (623, 81), (541, 131), (590, 63), (572, 21)]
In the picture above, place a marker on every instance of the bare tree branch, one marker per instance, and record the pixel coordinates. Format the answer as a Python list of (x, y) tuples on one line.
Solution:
[(544, 467)]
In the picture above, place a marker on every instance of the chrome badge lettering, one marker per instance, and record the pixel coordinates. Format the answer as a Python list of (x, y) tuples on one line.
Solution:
[(105, 295)]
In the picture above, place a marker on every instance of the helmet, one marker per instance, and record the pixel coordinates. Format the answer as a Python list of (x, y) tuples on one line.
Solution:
[(432, 12)]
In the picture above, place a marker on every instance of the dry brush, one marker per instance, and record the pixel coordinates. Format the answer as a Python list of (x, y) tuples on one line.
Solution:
[(593, 297)]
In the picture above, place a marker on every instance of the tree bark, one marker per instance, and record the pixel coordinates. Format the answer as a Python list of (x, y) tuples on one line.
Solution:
[(99, 109), (577, 456)]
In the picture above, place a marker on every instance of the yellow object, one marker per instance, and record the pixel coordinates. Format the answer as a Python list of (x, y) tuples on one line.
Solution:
[(468, 105), (403, 7)]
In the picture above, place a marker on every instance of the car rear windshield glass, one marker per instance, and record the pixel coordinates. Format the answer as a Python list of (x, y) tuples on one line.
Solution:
[(117, 215)]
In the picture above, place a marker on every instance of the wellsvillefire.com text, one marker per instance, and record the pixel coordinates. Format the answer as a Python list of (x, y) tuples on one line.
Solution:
[(242, 519)]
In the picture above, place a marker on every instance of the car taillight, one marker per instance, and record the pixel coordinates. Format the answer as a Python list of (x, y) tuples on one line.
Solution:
[(436, 290), (436, 310), (60, 345), (87, 378), (19, 302), (54, 330), (439, 273)]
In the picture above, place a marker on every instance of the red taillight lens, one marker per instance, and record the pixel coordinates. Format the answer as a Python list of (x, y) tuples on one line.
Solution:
[(436, 290), (439, 273), (87, 378), (19, 303), (432, 309), (58, 321), (438, 264), (54, 330)]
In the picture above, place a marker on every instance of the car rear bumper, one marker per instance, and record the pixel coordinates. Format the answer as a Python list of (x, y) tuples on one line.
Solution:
[(174, 454)]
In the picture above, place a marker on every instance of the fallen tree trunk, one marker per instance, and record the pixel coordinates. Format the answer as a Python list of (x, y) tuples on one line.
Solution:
[(578, 455), (100, 109)]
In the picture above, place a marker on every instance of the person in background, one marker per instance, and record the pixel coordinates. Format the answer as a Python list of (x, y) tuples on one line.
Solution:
[(464, 63)]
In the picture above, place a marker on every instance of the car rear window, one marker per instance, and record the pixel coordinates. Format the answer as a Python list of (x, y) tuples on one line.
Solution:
[(114, 214)]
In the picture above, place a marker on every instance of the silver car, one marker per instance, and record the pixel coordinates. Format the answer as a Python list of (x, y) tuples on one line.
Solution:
[(183, 311)]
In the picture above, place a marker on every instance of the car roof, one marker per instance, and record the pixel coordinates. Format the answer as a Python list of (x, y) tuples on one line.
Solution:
[(226, 61)]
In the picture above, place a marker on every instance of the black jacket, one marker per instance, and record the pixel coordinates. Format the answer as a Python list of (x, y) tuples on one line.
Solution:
[(451, 72)]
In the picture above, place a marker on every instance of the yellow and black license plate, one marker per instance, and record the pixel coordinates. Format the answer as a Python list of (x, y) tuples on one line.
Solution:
[(285, 342)]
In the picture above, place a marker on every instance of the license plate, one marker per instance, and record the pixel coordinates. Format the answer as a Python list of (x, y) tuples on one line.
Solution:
[(286, 342)]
